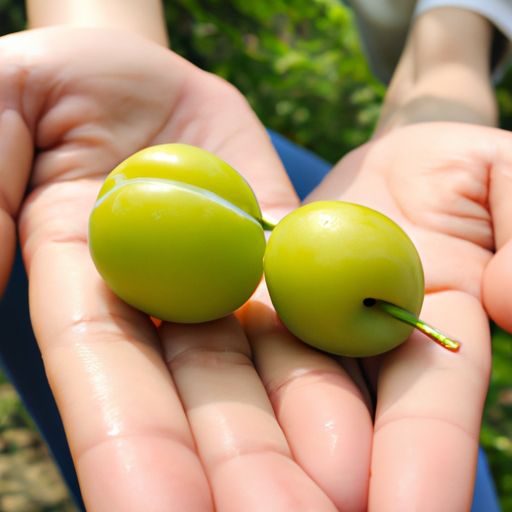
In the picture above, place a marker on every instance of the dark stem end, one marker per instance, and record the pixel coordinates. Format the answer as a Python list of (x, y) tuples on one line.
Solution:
[(266, 223)]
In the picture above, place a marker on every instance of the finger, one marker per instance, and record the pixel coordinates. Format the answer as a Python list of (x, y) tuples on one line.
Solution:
[(497, 278), (244, 451), (429, 410), (500, 185), (322, 412), (127, 431), (496, 285), (15, 162)]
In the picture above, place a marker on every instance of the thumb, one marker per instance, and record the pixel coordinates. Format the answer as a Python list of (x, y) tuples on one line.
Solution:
[(497, 279)]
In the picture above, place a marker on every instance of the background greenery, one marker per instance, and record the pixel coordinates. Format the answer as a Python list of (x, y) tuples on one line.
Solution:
[(300, 65)]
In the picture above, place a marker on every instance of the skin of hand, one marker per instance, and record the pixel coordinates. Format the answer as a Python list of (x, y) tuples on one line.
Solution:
[(177, 416), (443, 75), (185, 420), (449, 186)]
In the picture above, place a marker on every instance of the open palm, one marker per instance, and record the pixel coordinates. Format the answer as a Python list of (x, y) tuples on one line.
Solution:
[(447, 186), (156, 419)]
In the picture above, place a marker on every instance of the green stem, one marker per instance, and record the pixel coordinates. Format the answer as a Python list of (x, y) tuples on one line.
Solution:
[(266, 223), (407, 317)]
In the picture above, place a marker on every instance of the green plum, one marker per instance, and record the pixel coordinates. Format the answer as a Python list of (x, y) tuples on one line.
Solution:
[(176, 232), (188, 165), (329, 264)]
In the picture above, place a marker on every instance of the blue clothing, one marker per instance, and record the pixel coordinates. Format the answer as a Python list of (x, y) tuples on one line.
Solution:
[(21, 359)]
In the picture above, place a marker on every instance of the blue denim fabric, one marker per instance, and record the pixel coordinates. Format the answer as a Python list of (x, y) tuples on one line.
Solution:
[(21, 361)]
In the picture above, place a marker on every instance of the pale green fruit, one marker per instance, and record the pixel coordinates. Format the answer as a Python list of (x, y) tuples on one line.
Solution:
[(325, 259), (175, 232)]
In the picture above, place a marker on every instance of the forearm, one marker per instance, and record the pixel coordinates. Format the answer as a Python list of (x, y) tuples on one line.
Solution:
[(144, 17), (444, 72)]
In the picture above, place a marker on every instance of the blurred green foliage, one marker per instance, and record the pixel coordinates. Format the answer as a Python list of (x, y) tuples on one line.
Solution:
[(299, 64), (496, 436), (12, 16)]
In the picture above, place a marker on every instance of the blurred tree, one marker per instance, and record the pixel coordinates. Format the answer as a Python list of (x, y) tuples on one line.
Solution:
[(298, 63), (504, 93), (12, 16)]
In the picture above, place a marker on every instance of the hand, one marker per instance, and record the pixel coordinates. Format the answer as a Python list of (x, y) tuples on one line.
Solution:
[(175, 417), (448, 185)]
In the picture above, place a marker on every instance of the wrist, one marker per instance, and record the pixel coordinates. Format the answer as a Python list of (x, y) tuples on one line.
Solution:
[(143, 17), (444, 72), (426, 101)]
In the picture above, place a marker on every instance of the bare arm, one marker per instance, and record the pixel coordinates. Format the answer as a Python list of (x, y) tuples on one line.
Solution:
[(444, 72), (144, 17)]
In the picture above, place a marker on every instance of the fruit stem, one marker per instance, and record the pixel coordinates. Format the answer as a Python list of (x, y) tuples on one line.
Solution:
[(266, 223), (407, 317)]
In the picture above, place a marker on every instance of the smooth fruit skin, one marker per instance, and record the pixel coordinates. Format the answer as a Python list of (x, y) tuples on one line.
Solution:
[(172, 249), (324, 259), (187, 164)]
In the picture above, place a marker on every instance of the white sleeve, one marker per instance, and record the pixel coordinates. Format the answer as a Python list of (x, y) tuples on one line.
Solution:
[(498, 12)]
